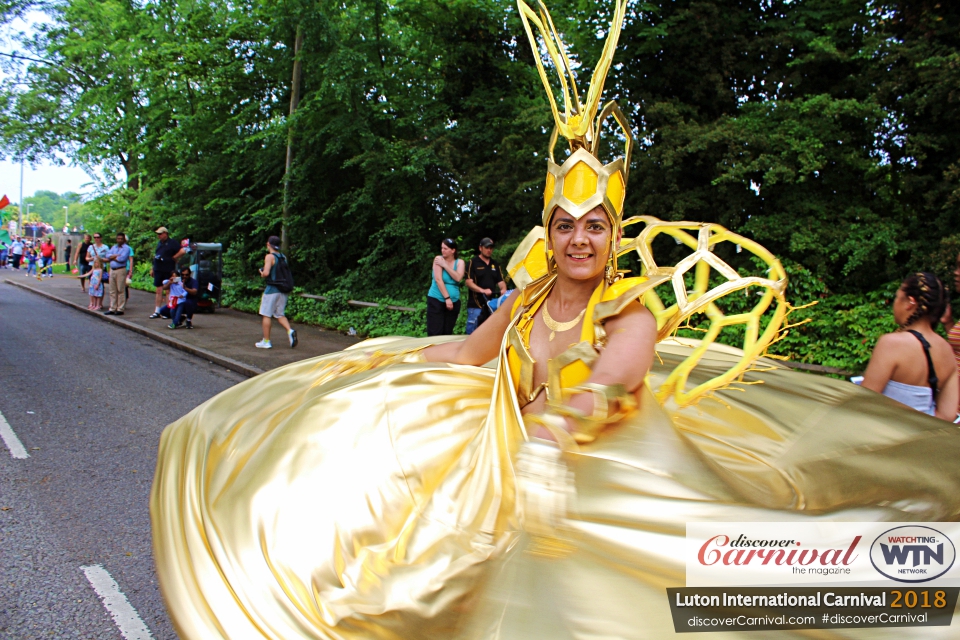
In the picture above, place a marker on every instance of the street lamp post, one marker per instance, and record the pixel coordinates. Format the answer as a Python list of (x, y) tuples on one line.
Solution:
[(20, 213)]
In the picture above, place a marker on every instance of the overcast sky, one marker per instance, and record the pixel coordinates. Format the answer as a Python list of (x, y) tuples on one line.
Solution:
[(44, 176)]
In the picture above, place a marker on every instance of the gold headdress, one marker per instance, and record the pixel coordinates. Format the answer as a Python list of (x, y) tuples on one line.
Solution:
[(582, 181)]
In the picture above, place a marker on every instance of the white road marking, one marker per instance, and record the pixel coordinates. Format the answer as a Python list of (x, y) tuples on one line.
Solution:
[(11, 440), (124, 615)]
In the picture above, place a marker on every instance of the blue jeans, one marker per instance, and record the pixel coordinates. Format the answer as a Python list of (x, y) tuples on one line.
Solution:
[(473, 319), (31, 268), (47, 265), (184, 309)]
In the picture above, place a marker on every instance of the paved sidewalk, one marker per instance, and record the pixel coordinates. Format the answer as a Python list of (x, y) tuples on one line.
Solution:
[(226, 337)]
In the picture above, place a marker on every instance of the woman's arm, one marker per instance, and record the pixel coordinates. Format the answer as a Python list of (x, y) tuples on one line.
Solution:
[(949, 397), (455, 272), (626, 359), (631, 343), (438, 278), (883, 363), (482, 345), (458, 271)]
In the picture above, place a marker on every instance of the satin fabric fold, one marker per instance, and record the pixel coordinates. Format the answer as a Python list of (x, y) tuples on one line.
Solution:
[(379, 502)]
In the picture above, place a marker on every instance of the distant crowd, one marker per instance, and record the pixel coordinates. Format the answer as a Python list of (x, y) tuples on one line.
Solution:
[(104, 272), (30, 252)]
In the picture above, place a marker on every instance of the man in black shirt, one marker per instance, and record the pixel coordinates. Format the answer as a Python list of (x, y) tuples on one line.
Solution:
[(164, 262), (485, 281)]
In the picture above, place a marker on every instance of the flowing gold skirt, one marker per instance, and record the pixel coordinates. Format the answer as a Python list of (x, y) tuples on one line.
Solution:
[(328, 499)]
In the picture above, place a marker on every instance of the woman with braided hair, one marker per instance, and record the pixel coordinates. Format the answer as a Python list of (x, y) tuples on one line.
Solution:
[(915, 365)]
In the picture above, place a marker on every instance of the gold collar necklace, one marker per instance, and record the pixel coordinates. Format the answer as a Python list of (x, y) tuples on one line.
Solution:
[(555, 326)]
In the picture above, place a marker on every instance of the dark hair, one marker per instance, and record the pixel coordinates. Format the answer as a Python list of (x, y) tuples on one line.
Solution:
[(274, 241), (930, 294), (450, 242)]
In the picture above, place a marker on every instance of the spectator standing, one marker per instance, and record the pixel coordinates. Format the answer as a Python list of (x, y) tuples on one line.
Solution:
[(274, 301), (119, 257), (68, 253), (4, 251), (126, 283), (443, 298), (31, 262), (16, 252), (99, 250), (485, 282), (82, 259), (165, 258), (48, 253), (95, 290)]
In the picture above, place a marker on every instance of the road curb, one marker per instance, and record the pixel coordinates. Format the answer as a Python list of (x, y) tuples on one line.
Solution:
[(223, 361)]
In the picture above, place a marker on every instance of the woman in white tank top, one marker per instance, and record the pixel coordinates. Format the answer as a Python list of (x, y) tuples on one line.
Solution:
[(914, 365)]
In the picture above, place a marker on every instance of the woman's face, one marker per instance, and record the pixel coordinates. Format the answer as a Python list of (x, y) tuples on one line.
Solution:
[(86, 237), (903, 307), (446, 251), (580, 247)]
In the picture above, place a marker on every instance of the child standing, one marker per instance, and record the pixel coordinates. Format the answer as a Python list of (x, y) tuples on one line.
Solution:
[(95, 289), (31, 262)]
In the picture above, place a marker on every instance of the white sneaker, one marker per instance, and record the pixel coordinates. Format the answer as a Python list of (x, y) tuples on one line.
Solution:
[(264, 344)]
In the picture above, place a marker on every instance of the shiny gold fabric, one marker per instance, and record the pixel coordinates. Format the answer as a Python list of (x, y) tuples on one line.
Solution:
[(379, 502)]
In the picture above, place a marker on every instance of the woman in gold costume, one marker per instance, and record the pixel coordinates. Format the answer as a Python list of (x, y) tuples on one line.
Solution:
[(538, 487)]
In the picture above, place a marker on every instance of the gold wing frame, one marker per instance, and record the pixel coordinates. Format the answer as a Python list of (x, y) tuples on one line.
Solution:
[(703, 239)]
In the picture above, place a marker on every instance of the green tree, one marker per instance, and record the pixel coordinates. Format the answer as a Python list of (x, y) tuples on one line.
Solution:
[(828, 130)]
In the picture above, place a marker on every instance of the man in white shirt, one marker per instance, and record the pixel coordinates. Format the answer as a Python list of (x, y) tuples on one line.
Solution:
[(16, 252)]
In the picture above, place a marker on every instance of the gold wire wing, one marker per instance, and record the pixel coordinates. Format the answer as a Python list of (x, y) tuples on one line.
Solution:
[(704, 238)]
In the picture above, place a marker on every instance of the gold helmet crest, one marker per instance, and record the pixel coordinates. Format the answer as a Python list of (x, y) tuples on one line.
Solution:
[(582, 182)]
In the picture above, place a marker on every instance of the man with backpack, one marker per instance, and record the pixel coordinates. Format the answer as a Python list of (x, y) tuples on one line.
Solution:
[(279, 284)]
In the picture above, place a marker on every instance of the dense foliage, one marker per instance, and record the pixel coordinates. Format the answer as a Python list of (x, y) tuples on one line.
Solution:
[(828, 130)]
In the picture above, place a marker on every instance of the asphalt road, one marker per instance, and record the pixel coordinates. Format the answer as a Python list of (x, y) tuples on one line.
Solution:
[(88, 402)]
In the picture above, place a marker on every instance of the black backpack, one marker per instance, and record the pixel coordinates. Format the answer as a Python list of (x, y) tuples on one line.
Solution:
[(280, 276)]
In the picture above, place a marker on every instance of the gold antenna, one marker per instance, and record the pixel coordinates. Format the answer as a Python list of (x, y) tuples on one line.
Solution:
[(576, 124)]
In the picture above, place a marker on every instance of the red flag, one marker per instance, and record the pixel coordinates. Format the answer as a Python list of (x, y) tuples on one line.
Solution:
[(4, 201)]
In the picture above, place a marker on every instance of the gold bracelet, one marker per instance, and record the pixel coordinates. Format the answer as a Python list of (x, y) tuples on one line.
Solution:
[(588, 427)]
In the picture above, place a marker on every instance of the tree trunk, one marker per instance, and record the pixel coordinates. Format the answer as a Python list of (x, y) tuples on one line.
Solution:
[(294, 100), (131, 166)]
